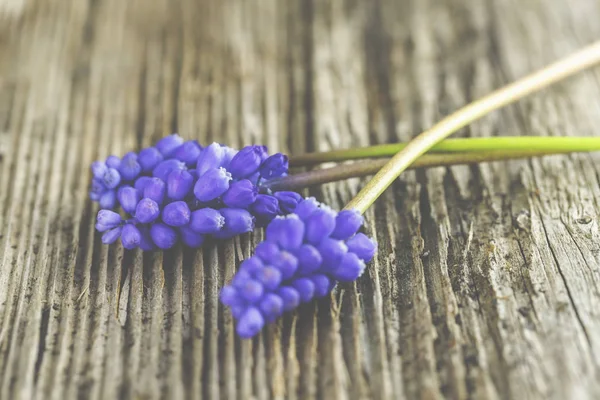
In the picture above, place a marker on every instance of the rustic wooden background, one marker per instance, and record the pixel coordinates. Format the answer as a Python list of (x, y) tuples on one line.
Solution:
[(487, 283)]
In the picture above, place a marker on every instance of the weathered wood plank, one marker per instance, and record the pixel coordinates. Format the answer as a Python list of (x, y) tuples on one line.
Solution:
[(486, 284)]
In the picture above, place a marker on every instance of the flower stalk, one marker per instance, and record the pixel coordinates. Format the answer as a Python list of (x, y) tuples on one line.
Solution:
[(564, 68), (554, 144)]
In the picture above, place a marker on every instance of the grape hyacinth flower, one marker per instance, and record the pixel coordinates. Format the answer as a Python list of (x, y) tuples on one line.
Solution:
[(303, 257), (178, 190)]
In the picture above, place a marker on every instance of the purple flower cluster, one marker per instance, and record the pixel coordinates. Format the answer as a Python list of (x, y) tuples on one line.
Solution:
[(178, 190), (303, 257)]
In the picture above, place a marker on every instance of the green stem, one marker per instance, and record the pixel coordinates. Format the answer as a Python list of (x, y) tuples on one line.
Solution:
[(502, 143), (369, 167), (541, 79)]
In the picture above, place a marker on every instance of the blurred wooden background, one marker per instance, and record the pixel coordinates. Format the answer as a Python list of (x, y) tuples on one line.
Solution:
[(487, 283)]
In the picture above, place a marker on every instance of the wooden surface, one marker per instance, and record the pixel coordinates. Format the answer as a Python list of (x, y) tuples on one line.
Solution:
[(487, 283)]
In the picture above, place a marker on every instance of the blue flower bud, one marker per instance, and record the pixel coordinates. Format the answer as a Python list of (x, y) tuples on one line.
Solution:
[(128, 198), (246, 161), (319, 225), (98, 169), (252, 265), (212, 184), (108, 199), (271, 307), (130, 236), (237, 221), (305, 208), (97, 188), (113, 162), (250, 323), (130, 168), (164, 168), (240, 279), (176, 214), (251, 290), (266, 251), (111, 236), (309, 259), (269, 277), (179, 184), (286, 263), (168, 145), (305, 288), (332, 251), (141, 183), (266, 207), (191, 238), (349, 268), (290, 297), (111, 178), (146, 242), (149, 158), (211, 157), (287, 232), (274, 166), (206, 220), (188, 152), (147, 210), (229, 296), (156, 190), (347, 223), (108, 219), (163, 236), (240, 194), (228, 154), (363, 246), (322, 284), (288, 201)]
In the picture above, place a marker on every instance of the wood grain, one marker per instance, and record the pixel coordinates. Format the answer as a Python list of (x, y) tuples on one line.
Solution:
[(487, 282)]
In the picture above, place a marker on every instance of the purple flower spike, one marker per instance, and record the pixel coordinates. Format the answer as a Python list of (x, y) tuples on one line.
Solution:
[(250, 323), (228, 154), (240, 194), (188, 152), (141, 183), (111, 236), (211, 157), (212, 184), (164, 168), (130, 168), (310, 261), (191, 238), (363, 246), (168, 145), (176, 214), (128, 198), (274, 166), (163, 236), (111, 178), (108, 199), (347, 223), (130, 236), (155, 190), (288, 201), (207, 221), (179, 184), (147, 211), (237, 221), (247, 161), (229, 296), (149, 158)]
